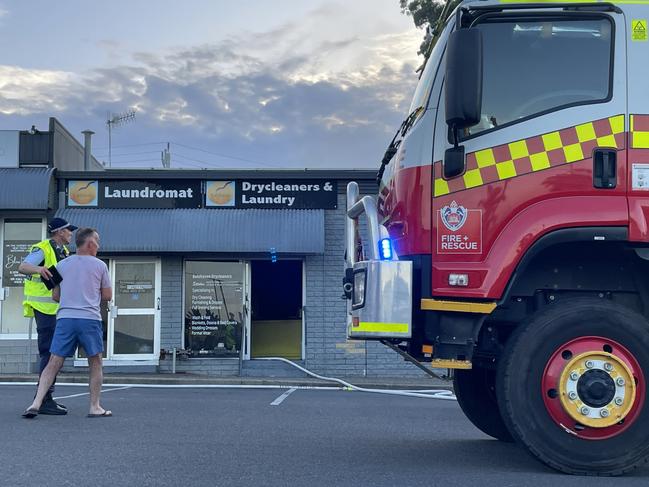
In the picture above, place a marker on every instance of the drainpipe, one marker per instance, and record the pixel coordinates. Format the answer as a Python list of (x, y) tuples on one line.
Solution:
[(87, 149)]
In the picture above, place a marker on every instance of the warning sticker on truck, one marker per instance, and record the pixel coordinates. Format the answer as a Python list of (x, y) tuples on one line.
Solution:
[(639, 30), (459, 230)]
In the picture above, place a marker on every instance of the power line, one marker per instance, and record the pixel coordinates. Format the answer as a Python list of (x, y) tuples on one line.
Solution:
[(174, 155), (157, 161), (224, 155), (132, 153), (190, 164), (209, 163), (131, 145), (185, 158), (138, 160)]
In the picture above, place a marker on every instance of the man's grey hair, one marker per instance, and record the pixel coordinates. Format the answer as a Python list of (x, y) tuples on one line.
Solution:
[(83, 234)]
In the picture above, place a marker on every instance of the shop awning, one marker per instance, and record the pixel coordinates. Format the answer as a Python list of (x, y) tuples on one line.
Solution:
[(26, 188), (203, 230)]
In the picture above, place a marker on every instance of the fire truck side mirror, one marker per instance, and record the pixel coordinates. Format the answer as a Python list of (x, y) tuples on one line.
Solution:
[(453, 164), (463, 83)]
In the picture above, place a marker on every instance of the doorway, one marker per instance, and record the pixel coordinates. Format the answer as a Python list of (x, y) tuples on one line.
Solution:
[(276, 326), (131, 321), (134, 324)]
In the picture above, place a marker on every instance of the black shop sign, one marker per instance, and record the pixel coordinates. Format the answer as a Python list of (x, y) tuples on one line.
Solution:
[(289, 194), (135, 194)]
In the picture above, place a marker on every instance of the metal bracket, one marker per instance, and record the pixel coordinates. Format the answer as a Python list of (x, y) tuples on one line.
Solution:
[(409, 358)]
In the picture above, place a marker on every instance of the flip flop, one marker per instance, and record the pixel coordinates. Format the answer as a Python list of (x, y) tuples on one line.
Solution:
[(105, 414), (30, 413)]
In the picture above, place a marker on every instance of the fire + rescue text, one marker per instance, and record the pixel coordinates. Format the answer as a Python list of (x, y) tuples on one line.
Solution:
[(457, 242)]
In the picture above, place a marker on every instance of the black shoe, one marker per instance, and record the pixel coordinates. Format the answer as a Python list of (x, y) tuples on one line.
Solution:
[(50, 406), (49, 398)]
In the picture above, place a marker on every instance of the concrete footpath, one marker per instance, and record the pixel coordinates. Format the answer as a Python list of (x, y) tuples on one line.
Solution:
[(202, 380)]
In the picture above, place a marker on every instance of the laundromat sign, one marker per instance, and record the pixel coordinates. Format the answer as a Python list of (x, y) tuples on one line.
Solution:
[(134, 194), (281, 194)]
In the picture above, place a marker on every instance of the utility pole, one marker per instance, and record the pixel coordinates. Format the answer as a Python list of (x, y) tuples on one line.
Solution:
[(165, 156), (115, 121)]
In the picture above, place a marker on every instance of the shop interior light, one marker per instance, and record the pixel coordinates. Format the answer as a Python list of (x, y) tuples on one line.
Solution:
[(385, 249)]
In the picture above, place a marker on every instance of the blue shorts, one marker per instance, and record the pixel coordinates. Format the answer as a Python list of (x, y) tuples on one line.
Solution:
[(71, 332)]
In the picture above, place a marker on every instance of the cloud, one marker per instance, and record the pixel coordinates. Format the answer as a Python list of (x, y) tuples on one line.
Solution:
[(26, 91), (292, 96)]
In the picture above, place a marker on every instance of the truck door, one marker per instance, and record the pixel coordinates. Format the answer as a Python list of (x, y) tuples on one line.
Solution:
[(548, 152), (638, 123)]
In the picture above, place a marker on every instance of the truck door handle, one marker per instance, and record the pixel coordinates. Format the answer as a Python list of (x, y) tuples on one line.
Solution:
[(605, 168)]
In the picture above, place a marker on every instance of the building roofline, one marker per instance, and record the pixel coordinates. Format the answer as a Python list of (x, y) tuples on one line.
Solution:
[(220, 174)]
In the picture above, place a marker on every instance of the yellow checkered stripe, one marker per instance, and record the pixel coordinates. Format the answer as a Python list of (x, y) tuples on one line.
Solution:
[(535, 154), (639, 131)]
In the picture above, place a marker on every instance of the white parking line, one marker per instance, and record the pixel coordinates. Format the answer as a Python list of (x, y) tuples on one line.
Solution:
[(279, 400), (186, 386), (86, 393), (440, 394)]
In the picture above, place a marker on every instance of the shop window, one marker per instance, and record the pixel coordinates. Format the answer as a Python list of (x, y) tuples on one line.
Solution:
[(214, 308), (18, 237)]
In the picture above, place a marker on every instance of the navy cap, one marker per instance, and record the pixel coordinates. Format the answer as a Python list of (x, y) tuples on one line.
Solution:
[(56, 224)]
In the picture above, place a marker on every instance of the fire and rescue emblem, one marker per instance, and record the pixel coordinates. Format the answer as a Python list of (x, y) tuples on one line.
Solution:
[(453, 216), (459, 230)]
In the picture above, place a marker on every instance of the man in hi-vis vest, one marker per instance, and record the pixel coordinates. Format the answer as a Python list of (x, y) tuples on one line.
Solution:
[(38, 302)]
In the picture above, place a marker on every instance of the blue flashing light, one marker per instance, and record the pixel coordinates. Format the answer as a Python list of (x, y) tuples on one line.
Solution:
[(385, 249), (273, 255)]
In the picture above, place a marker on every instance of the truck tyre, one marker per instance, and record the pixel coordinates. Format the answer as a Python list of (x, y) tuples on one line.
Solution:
[(572, 388), (475, 392)]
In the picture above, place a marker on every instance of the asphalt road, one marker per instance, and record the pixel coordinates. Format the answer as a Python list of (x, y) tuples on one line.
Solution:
[(234, 437)]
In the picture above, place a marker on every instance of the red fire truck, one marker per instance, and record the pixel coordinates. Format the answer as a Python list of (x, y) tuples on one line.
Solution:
[(510, 236)]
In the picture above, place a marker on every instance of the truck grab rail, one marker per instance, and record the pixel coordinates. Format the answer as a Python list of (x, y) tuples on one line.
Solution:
[(355, 208)]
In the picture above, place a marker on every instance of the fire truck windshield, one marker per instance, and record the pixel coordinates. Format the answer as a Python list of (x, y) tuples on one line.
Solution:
[(535, 66)]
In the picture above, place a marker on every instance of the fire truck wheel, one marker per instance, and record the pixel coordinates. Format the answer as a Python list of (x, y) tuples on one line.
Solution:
[(572, 387), (475, 390)]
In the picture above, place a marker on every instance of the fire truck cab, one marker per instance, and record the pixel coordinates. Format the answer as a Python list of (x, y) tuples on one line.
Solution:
[(509, 238)]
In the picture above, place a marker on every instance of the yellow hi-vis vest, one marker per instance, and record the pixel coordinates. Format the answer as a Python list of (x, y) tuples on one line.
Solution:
[(37, 296)]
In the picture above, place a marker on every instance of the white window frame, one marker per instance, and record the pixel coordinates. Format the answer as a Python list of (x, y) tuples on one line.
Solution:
[(32, 333), (113, 359)]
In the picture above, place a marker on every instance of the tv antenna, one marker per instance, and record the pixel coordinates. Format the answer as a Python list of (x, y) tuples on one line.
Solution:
[(117, 120)]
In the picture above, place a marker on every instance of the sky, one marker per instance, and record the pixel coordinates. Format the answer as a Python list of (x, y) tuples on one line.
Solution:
[(228, 84)]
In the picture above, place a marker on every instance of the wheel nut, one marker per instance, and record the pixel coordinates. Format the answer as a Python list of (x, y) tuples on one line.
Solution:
[(608, 367), (618, 401), (589, 364), (620, 381), (572, 395), (585, 411), (574, 375), (604, 413)]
